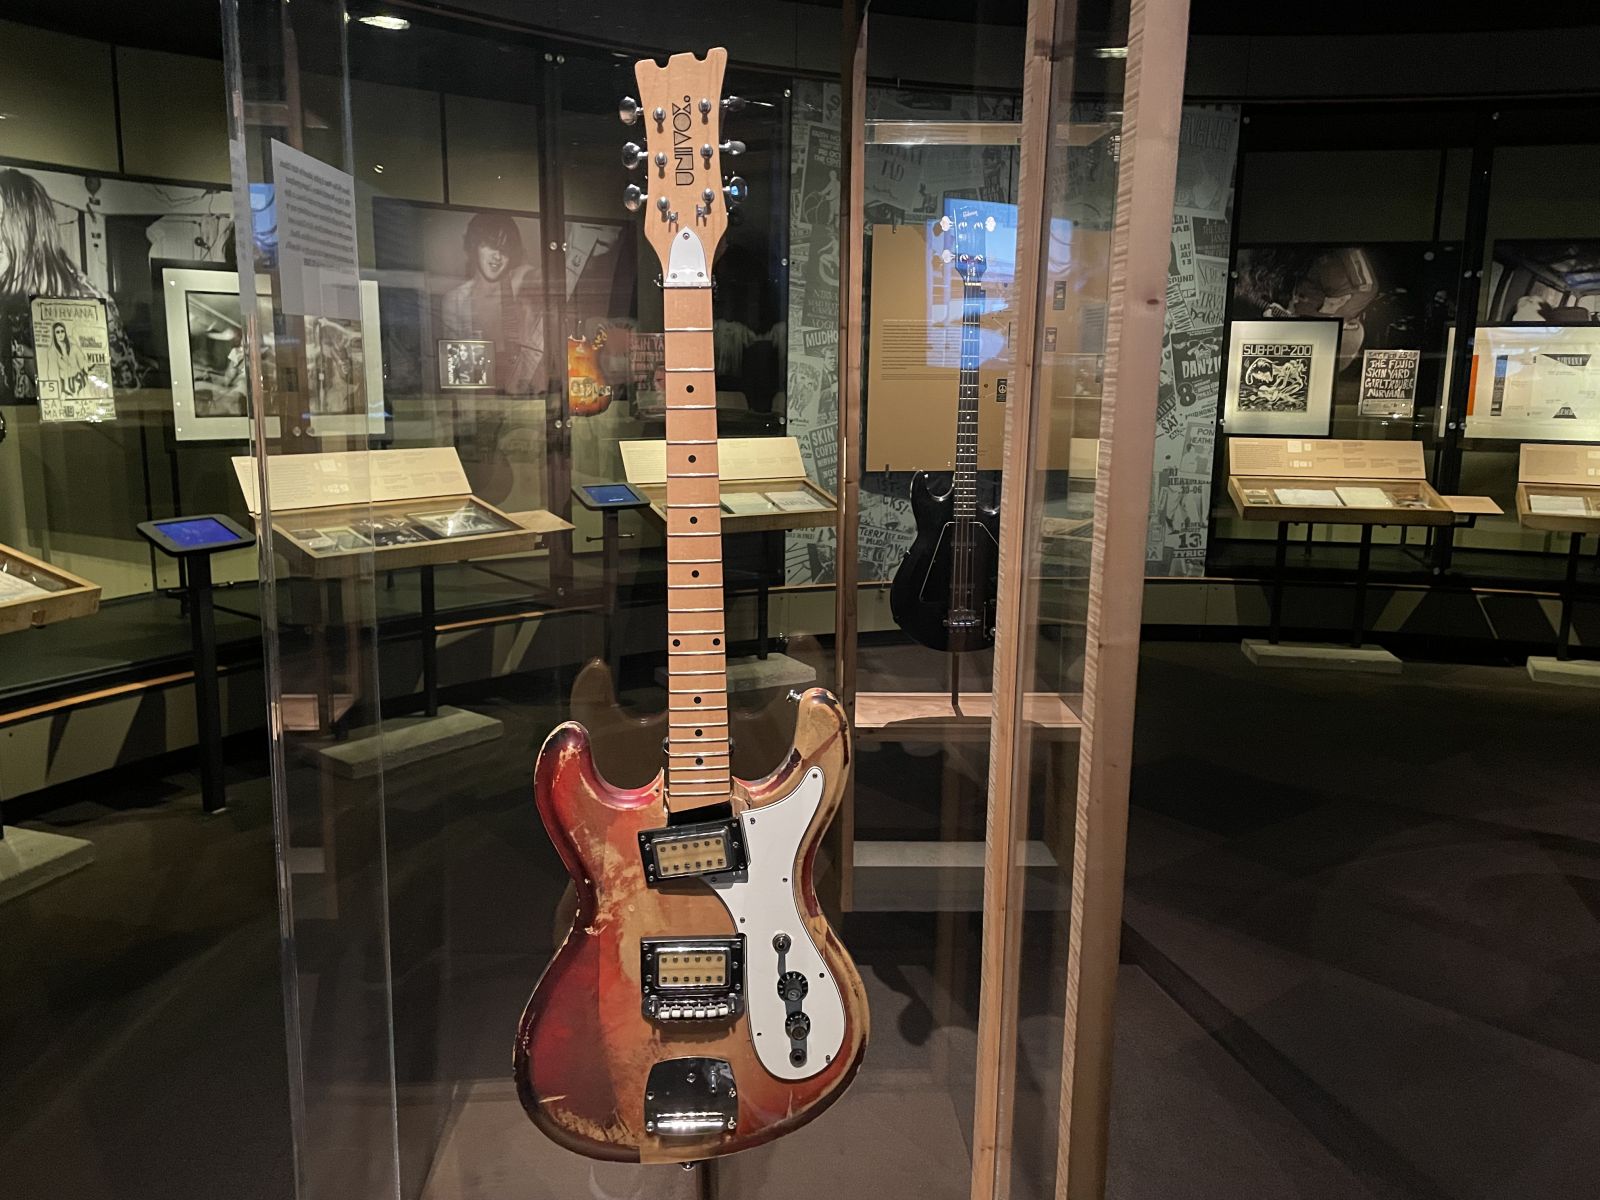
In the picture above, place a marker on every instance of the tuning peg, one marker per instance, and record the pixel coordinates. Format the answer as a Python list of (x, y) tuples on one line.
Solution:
[(632, 155), (946, 257), (988, 224), (733, 104), (628, 110), (732, 148), (944, 224), (633, 199), (736, 190)]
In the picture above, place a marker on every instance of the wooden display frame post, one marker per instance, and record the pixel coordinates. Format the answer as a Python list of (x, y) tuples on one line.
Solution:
[(1102, 728)]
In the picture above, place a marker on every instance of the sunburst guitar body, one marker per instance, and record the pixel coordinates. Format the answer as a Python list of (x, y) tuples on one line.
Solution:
[(701, 1004)]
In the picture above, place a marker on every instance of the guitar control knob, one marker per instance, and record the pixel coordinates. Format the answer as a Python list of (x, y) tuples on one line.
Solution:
[(733, 147), (792, 987), (797, 1026), (632, 198), (632, 155), (628, 110)]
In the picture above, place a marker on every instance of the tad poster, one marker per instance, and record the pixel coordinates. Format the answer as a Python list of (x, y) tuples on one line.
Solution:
[(72, 353)]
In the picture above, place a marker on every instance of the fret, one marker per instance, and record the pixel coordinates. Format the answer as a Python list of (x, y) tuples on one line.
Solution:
[(698, 745)]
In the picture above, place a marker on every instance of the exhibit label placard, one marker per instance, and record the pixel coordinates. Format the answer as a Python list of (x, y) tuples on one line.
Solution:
[(318, 257)]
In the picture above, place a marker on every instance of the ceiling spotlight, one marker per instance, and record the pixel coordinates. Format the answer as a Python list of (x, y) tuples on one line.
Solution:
[(383, 21)]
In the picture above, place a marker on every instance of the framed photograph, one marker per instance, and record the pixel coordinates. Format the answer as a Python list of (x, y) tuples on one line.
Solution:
[(453, 274), (210, 364), (464, 520), (1279, 380), (1538, 382), (1549, 281), (466, 365)]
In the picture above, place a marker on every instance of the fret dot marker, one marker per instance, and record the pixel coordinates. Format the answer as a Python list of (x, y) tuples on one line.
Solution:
[(694, 520), (695, 574), (698, 732), (691, 458), (697, 699), (716, 641), (689, 388), (676, 642), (699, 762)]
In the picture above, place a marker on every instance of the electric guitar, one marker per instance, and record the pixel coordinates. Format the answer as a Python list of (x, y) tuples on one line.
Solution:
[(701, 1004), (944, 591)]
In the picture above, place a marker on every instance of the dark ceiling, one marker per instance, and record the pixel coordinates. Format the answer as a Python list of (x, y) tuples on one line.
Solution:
[(194, 26)]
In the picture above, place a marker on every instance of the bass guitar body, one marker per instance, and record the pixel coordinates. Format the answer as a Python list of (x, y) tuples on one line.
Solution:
[(920, 597), (691, 1013)]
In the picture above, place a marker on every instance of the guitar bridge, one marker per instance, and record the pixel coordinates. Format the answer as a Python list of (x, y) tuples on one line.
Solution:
[(687, 851), (691, 979), (690, 1097)]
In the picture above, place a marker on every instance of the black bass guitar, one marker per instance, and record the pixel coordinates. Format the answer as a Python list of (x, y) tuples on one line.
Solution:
[(943, 594)]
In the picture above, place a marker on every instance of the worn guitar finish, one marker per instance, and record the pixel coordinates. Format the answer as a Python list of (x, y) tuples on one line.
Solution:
[(583, 1051), (944, 591), (700, 1004)]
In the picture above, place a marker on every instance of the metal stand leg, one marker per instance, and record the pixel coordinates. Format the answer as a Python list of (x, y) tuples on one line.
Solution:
[(430, 646), (610, 561), (207, 702), (955, 682), (1280, 559), (1358, 618), (764, 595), (1569, 594)]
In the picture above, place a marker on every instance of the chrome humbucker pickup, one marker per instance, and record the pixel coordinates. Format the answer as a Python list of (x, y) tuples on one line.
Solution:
[(691, 979), (688, 851)]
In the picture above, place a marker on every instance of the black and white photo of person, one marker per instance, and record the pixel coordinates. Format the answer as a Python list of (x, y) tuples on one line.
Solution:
[(1545, 283), (34, 263), (217, 356), (337, 365), (501, 301), (466, 364), (1295, 281)]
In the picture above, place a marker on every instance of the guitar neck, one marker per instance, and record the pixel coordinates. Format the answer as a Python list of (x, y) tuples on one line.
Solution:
[(697, 670), (966, 472)]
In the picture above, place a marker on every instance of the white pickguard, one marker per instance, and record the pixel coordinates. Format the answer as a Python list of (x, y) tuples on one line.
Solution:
[(762, 905)]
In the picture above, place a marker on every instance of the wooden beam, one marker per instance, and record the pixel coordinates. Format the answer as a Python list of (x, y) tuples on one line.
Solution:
[(1016, 623), (1152, 109), (852, 249)]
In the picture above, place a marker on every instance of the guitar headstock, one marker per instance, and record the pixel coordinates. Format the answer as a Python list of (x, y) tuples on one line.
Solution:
[(969, 230), (683, 195)]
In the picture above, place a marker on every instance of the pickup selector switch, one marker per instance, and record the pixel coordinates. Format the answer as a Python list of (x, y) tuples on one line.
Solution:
[(792, 987)]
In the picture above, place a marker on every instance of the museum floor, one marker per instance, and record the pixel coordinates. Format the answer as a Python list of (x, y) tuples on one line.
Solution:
[(1361, 961)]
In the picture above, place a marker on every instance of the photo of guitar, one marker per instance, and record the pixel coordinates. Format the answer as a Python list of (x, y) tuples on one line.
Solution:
[(701, 1004), (943, 593)]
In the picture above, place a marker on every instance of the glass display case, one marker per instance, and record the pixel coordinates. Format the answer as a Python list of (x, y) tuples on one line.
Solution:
[(788, 334)]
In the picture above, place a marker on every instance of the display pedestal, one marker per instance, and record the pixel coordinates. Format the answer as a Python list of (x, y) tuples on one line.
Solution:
[(1373, 660), (406, 740), (1564, 672), (31, 858)]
